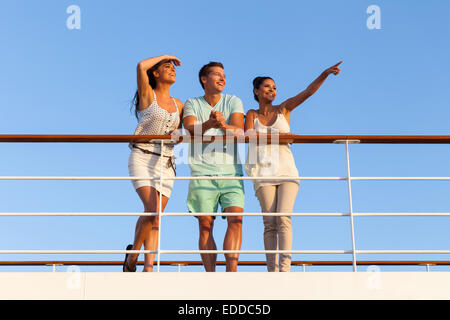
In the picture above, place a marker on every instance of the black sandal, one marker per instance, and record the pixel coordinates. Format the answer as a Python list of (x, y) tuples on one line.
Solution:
[(125, 267)]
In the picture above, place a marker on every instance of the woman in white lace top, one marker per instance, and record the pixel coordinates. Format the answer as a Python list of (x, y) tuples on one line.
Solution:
[(158, 114)]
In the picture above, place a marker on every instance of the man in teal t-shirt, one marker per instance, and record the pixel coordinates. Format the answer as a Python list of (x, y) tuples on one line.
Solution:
[(210, 115)]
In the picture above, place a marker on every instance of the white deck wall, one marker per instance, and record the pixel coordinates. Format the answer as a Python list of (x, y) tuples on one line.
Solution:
[(226, 286)]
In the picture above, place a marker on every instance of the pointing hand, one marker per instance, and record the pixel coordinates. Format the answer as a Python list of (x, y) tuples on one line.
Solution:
[(334, 69)]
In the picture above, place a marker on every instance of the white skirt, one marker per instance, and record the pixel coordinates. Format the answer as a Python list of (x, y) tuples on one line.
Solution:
[(141, 164)]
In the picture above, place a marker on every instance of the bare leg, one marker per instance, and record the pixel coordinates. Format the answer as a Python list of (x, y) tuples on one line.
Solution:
[(147, 228), (233, 238), (206, 242)]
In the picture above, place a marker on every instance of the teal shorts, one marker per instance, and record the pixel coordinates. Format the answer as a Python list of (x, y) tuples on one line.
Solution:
[(206, 195)]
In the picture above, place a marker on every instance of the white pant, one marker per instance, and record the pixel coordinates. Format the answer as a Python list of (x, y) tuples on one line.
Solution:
[(278, 230)]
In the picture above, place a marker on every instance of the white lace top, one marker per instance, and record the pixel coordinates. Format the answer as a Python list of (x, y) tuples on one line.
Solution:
[(155, 120)]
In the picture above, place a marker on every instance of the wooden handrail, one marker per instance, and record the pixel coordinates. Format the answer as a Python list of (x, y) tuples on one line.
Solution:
[(283, 138)]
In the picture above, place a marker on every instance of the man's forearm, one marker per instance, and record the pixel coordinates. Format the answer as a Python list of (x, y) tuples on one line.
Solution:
[(228, 128), (199, 129), (208, 124)]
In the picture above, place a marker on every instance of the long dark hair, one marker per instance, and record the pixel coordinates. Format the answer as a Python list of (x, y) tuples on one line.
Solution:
[(257, 82), (151, 82)]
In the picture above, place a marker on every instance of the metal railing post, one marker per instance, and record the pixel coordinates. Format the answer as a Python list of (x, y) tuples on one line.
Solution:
[(350, 206), (160, 203), (428, 265)]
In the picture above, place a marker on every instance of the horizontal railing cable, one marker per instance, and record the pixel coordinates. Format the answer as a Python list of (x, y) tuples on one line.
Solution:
[(173, 251), (222, 263), (225, 251), (168, 178), (222, 178), (224, 214)]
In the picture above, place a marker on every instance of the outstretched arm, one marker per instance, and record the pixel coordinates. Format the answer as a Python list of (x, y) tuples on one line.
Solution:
[(292, 103), (144, 88)]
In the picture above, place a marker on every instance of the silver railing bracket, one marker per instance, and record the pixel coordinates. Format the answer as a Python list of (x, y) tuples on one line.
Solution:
[(351, 141)]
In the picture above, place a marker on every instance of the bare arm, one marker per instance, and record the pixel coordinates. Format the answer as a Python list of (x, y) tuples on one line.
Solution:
[(144, 88), (191, 125), (292, 103), (180, 111), (236, 122), (249, 121)]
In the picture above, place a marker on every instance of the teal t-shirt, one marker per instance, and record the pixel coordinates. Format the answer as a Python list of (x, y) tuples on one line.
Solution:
[(213, 159)]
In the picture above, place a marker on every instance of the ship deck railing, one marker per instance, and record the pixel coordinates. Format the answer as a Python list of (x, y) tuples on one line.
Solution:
[(288, 138)]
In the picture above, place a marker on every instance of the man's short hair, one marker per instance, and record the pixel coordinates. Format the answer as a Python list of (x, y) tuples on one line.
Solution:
[(204, 71)]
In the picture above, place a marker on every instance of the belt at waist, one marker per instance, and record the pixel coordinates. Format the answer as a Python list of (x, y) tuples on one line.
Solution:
[(171, 162), (150, 152)]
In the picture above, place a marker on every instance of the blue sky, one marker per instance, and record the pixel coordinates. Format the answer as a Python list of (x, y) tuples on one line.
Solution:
[(393, 81)]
